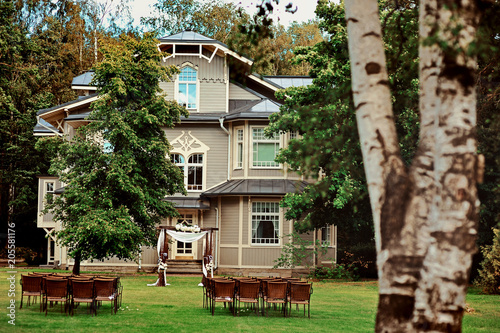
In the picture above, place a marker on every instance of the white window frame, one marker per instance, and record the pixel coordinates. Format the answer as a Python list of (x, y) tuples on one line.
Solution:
[(258, 214), (264, 140), (239, 155), (47, 190), (195, 187), (326, 234), (196, 84), (185, 165)]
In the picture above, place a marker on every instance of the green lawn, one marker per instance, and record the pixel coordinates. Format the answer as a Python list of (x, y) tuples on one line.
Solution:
[(335, 307)]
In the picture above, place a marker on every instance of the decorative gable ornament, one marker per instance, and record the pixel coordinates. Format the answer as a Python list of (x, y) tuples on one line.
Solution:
[(187, 144)]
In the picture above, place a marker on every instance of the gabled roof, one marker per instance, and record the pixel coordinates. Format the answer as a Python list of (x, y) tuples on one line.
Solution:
[(264, 187), (289, 81), (257, 109), (74, 103), (191, 37), (83, 81), (43, 128)]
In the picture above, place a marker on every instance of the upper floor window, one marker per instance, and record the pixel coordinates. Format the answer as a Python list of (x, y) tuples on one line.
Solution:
[(49, 192), (192, 170), (187, 87), (265, 222), (239, 148), (195, 173), (264, 149)]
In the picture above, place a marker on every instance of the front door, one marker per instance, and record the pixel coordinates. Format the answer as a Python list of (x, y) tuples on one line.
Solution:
[(185, 251)]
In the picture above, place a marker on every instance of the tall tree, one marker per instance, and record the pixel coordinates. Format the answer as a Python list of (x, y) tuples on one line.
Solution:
[(426, 216), (116, 170), (21, 94)]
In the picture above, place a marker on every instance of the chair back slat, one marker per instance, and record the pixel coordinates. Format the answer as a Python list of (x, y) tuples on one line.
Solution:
[(82, 288), (224, 288), (31, 283), (249, 289), (56, 287), (300, 292), (276, 290), (104, 288)]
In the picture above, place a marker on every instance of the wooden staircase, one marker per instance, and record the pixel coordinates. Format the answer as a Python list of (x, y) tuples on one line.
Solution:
[(189, 267)]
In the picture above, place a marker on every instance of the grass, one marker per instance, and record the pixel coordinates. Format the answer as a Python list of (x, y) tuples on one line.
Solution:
[(335, 307)]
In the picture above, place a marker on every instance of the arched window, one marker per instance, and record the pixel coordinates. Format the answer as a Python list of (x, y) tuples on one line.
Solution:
[(187, 87), (192, 170)]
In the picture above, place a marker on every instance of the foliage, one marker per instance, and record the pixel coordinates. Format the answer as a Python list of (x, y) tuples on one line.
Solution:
[(327, 148), (299, 252), (489, 274), (22, 92), (115, 169), (214, 19), (336, 271)]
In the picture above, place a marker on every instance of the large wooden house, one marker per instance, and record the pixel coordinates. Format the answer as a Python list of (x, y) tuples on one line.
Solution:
[(232, 180)]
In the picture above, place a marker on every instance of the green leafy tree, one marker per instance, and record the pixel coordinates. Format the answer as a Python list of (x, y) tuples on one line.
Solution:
[(116, 169), (21, 94), (489, 274)]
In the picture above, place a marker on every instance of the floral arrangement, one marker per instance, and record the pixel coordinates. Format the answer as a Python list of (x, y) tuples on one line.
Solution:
[(187, 228), (209, 266)]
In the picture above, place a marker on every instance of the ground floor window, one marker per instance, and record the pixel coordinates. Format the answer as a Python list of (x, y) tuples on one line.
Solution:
[(265, 222)]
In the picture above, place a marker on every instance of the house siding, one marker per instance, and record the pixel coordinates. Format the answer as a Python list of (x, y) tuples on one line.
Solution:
[(212, 97), (229, 224), (238, 93), (216, 158)]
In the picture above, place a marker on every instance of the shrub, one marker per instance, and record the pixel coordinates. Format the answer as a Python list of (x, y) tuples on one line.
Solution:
[(339, 271), (489, 274)]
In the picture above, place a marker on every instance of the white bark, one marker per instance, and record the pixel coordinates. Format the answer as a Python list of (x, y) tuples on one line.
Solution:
[(425, 219)]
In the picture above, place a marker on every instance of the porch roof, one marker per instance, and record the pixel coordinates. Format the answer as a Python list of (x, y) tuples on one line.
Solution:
[(261, 187), (188, 203)]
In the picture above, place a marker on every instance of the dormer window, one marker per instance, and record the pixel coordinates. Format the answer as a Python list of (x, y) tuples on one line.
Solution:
[(187, 90)]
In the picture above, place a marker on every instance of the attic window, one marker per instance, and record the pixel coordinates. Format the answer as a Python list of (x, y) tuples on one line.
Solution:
[(187, 49)]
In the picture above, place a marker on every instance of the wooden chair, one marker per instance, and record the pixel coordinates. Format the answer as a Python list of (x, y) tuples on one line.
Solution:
[(105, 290), (82, 292), (31, 285), (209, 288), (300, 293), (248, 292), (56, 290), (223, 291), (276, 294)]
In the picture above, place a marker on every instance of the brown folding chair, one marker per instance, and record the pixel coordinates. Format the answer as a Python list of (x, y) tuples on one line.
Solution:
[(223, 291), (56, 290), (248, 292), (300, 293), (82, 292), (31, 285), (105, 290), (276, 294)]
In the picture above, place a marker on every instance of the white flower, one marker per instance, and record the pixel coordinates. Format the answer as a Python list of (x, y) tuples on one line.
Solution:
[(177, 226), (183, 228)]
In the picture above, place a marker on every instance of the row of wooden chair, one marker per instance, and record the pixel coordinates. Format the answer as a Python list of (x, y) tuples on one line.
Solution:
[(258, 292), (71, 290)]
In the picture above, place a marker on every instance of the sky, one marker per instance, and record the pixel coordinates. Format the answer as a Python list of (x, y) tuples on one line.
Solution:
[(305, 9)]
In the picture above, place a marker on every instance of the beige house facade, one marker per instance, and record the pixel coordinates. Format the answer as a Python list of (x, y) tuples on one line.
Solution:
[(233, 183)]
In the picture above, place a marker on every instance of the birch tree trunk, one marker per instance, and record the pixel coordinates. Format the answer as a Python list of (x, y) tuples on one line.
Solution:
[(425, 217)]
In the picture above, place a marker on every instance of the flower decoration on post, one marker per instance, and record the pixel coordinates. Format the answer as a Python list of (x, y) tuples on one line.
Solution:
[(187, 228)]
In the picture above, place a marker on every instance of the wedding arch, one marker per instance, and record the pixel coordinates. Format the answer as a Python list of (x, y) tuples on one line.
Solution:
[(187, 234)]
